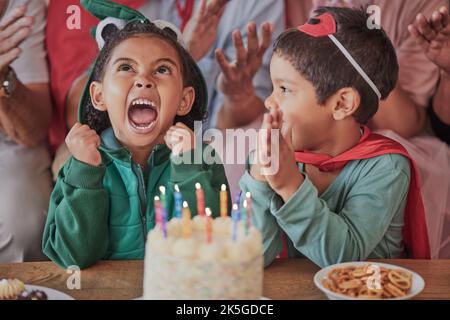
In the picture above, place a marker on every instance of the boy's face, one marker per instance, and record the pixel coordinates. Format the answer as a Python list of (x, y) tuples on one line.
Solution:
[(142, 90), (296, 98)]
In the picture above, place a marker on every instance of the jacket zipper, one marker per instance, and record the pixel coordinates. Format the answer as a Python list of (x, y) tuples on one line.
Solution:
[(143, 200)]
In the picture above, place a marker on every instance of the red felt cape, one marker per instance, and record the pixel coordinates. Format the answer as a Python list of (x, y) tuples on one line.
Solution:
[(415, 235)]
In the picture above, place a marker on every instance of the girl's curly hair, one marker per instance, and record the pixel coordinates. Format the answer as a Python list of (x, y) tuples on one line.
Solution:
[(99, 120)]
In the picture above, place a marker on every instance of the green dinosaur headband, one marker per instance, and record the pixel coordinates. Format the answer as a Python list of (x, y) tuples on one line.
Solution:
[(119, 16)]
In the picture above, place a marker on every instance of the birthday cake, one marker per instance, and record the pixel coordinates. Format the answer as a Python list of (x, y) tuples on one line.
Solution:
[(203, 258)]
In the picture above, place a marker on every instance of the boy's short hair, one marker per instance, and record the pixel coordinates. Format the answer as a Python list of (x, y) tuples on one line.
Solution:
[(321, 62)]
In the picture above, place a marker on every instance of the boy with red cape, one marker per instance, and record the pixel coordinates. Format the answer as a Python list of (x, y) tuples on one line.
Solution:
[(327, 188)]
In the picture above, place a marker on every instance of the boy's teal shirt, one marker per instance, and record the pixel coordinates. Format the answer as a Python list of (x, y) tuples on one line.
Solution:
[(359, 216), (105, 212)]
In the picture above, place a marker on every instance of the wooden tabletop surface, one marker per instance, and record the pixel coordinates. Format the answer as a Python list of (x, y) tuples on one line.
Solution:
[(284, 279)]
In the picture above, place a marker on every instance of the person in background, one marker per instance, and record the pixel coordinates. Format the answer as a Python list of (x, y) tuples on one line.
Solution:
[(25, 113), (433, 35)]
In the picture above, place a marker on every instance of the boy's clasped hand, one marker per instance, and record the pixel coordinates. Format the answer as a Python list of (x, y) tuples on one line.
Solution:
[(275, 143)]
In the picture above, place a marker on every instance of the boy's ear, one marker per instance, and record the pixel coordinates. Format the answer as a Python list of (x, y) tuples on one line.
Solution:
[(345, 103), (187, 101), (96, 92)]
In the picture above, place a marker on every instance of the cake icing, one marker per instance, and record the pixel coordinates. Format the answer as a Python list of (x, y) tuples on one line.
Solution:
[(178, 267)]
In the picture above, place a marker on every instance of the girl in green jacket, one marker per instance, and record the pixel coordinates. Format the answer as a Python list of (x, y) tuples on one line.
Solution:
[(137, 114)]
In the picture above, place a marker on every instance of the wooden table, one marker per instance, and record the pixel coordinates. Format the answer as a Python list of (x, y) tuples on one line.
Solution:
[(288, 279)]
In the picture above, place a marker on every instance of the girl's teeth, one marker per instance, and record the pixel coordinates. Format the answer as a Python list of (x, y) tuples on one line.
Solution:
[(143, 127), (142, 101)]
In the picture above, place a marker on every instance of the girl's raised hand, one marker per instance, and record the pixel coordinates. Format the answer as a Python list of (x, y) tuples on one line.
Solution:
[(83, 143), (180, 138)]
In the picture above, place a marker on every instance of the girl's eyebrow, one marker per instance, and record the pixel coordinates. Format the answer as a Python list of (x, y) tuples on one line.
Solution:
[(124, 60), (167, 60)]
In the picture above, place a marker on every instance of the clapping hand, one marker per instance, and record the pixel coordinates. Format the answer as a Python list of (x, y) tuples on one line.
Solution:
[(201, 31), (14, 29), (433, 36)]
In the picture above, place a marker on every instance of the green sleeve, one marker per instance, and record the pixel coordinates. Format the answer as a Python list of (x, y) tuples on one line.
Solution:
[(262, 219), (328, 237), (76, 231), (211, 176)]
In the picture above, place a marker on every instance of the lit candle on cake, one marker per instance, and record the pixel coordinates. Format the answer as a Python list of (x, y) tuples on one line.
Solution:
[(157, 205), (178, 202), (208, 225), (235, 218), (164, 222), (200, 199), (248, 197), (245, 216), (238, 199), (163, 210), (186, 220), (162, 190), (223, 201)]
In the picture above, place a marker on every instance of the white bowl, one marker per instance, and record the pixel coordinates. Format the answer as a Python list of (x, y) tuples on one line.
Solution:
[(418, 284)]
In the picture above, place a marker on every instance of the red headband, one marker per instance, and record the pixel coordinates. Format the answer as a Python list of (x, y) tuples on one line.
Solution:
[(326, 25)]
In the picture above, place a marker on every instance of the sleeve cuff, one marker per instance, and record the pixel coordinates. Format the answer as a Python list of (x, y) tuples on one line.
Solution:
[(304, 195), (84, 176), (249, 183)]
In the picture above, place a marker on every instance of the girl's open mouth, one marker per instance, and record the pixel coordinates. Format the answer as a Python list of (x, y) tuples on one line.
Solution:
[(142, 115)]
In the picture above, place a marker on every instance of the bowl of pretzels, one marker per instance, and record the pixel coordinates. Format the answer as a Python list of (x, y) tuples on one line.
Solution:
[(368, 281)]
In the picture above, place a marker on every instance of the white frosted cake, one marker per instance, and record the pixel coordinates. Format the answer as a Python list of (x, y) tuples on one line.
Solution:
[(191, 267)]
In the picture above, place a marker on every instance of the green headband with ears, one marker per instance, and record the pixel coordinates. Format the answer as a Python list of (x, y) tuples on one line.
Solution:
[(103, 9)]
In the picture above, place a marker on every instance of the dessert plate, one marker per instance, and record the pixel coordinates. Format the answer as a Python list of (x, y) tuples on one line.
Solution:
[(52, 294)]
